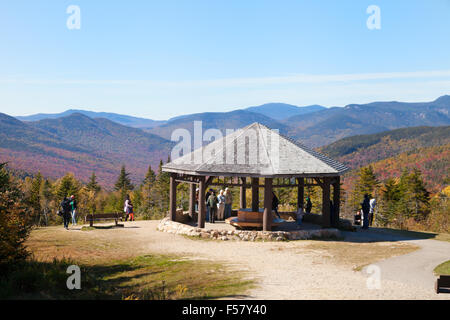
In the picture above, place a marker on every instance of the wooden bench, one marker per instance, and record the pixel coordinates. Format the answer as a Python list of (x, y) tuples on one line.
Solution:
[(443, 284), (103, 216)]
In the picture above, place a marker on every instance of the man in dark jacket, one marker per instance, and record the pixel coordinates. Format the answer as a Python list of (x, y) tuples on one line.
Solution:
[(66, 212), (208, 193), (275, 203), (308, 206), (365, 206)]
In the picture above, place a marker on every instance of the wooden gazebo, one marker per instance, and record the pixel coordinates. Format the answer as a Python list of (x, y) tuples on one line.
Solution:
[(245, 156)]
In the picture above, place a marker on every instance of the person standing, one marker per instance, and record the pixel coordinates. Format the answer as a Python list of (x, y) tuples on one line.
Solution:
[(365, 206), (196, 199), (372, 204), (308, 206), (73, 209), (128, 209), (208, 193), (221, 205), (275, 203), (228, 202), (212, 201), (65, 208)]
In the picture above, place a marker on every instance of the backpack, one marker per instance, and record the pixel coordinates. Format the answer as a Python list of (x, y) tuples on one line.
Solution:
[(65, 207)]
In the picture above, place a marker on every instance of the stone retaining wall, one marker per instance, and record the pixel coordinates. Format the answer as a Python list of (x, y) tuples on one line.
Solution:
[(166, 225)]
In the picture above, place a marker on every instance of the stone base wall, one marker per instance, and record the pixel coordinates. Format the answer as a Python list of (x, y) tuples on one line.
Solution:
[(166, 225)]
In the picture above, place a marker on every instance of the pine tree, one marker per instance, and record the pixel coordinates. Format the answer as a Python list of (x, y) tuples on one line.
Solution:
[(93, 185), (123, 181), (387, 206), (414, 197), (13, 222), (366, 183), (46, 198), (150, 177), (34, 200), (67, 186), (162, 186)]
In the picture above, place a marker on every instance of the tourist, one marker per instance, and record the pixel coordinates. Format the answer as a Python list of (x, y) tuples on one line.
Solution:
[(275, 203), (220, 205), (128, 209), (300, 215), (196, 199), (228, 202), (208, 193), (365, 206), (372, 204), (65, 209), (308, 206), (73, 209), (212, 202)]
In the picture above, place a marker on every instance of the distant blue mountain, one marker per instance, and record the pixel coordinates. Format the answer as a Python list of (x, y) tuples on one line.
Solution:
[(281, 111), (125, 120)]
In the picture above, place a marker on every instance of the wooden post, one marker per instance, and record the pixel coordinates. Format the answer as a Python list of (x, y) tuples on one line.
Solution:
[(336, 201), (300, 192), (326, 218), (255, 194), (173, 197), (242, 192), (201, 203), (267, 218), (191, 199)]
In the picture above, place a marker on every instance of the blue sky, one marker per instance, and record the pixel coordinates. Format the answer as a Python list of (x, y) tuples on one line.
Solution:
[(160, 59)]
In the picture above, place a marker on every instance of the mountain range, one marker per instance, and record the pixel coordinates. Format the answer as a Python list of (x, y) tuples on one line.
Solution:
[(390, 152), (79, 144), (83, 141)]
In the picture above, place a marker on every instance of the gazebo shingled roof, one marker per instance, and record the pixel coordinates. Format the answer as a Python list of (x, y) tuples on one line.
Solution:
[(288, 158), (256, 151)]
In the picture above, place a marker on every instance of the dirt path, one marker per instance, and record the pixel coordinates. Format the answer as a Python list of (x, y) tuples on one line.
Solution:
[(289, 270), (415, 268)]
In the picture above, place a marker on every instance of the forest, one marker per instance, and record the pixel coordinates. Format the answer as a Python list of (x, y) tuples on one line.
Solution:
[(403, 201)]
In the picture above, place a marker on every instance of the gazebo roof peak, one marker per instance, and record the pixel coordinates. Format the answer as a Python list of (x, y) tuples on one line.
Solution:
[(255, 151)]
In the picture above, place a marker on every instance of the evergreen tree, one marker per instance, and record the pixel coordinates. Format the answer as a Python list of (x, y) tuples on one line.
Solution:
[(365, 184), (46, 198), (67, 186), (150, 177), (123, 186), (13, 222), (93, 185), (387, 206), (148, 190), (34, 200), (162, 186), (414, 198), (123, 181)]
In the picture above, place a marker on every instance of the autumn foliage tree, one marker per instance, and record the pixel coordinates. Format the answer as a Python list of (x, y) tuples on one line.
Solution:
[(14, 222)]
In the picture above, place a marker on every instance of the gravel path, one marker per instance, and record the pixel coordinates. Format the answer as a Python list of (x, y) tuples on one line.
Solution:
[(289, 271)]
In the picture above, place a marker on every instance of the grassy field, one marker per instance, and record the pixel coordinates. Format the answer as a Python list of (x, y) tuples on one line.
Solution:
[(114, 270), (443, 268)]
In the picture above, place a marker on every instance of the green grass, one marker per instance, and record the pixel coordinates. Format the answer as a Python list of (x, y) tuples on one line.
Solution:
[(152, 277), (443, 268)]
